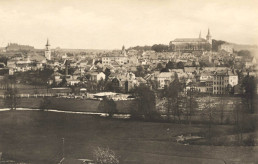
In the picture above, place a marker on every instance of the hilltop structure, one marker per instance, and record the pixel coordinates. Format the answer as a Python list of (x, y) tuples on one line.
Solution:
[(192, 44)]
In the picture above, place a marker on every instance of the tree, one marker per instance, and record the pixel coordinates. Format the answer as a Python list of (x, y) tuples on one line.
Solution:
[(172, 94), (222, 105), (249, 85), (4, 59), (105, 156), (170, 65), (63, 82), (107, 73), (11, 98), (113, 86), (244, 122), (209, 110), (140, 71), (159, 48), (216, 44), (244, 53), (164, 70), (108, 105), (180, 65), (191, 104), (146, 102), (159, 66), (45, 103), (101, 85)]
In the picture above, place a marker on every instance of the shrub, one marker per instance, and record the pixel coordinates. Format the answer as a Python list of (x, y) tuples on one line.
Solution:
[(105, 156)]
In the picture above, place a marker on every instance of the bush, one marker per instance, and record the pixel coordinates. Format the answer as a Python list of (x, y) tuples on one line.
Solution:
[(105, 156)]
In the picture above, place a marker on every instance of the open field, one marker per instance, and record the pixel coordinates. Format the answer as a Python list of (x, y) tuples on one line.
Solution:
[(35, 136)]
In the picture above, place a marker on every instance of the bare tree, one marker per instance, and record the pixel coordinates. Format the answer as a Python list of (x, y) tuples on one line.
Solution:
[(222, 105), (209, 110), (191, 104)]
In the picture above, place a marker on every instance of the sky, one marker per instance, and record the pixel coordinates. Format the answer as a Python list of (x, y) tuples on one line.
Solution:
[(109, 24)]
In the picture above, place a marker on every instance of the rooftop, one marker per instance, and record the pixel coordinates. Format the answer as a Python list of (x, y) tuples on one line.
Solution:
[(189, 40)]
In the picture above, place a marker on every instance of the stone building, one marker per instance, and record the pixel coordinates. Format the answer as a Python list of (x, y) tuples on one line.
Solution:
[(192, 44)]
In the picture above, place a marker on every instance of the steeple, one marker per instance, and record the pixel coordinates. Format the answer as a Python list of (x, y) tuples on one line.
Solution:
[(47, 43), (48, 51), (208, 37), (200, 34)]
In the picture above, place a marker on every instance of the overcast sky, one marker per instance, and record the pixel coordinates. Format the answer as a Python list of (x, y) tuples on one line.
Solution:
[(108, 24)]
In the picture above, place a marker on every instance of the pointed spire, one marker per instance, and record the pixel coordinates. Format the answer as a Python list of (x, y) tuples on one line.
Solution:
[(47, 43), (208, 32), (200, 34)]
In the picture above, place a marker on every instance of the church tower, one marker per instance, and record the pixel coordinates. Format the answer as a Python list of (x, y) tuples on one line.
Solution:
[(48, 51), (123, 50), (200, 34), (208, 37)]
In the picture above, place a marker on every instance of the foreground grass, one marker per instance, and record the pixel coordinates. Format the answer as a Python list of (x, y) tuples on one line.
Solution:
[(35, 136)]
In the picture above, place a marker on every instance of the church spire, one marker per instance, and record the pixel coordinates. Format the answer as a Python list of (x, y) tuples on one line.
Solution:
[(200, 34), (47, 43), (208, 35)]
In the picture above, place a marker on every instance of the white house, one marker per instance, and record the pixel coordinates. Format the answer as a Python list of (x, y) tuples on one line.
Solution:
[(97, 76), (164, 78)]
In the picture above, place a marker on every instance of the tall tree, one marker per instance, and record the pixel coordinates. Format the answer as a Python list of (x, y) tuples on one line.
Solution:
[(146, 102), (11, 98), (108, 105), (249, 85), (107, 73), (172, 93), (191, 104), (209, 111)]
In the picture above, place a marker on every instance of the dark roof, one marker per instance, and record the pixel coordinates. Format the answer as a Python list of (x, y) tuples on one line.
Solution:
[(189, 40)]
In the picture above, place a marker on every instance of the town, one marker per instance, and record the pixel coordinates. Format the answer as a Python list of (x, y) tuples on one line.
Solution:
[(189, 81), (128, 82)]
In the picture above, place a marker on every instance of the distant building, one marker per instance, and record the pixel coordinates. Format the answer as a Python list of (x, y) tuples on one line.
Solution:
[(226, 47), (115, 58), (192, 44), (223, 81), (17, 47), (164, 79), (48, 51)]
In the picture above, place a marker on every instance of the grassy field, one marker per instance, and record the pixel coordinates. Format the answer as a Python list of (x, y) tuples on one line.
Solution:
[(35, 136)]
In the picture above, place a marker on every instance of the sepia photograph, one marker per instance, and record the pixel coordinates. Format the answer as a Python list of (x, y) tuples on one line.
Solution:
[(128, 82)]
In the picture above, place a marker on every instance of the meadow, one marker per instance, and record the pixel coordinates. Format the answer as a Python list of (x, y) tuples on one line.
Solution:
[(36, 137)]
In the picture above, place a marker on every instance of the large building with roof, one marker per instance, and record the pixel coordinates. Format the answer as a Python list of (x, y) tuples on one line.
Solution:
[(115, 58), (192, 44)]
